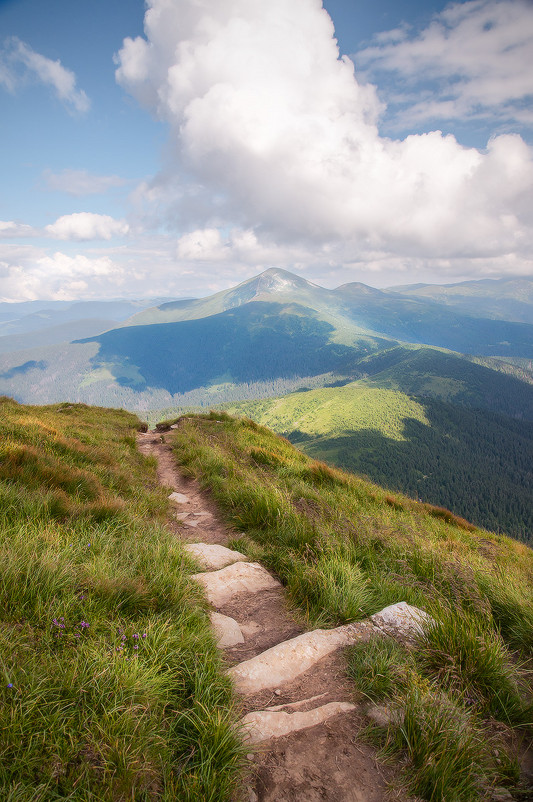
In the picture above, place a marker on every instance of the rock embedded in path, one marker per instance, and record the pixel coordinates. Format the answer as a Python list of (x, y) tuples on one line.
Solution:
[(261, 725), (179, 498), (290, 659), (212, 557), (401, 621), (221, 586), (227, 631)]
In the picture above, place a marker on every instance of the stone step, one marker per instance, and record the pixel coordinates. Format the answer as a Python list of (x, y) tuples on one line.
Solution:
[(222, 586), (179, 498), (262, 725), (212, 557), (288, 660), (227, 631)]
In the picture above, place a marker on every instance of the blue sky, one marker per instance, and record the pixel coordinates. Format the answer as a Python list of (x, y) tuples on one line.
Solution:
[(184, 152)]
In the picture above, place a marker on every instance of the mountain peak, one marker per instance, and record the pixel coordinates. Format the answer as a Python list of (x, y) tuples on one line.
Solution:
[(277, 280)]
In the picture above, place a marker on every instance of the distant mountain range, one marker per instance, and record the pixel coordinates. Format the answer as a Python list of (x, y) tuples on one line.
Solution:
[(273, 333)]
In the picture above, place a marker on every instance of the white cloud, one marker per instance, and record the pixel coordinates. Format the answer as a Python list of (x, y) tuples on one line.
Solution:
[(86, 226), (478, 54), (10, 229), (81, 182), (272, 134), (29, 273), (19, 61)]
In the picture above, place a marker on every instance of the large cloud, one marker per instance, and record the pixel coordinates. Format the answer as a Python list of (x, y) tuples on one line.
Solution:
[(273, 128)]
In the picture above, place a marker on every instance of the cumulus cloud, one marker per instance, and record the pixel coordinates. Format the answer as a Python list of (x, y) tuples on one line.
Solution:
[(273, 127), (80, 182), (29, 273), (86, 226), (18, 62), (475, 54)]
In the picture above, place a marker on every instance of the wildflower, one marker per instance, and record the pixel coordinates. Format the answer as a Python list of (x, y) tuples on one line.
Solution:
[(136, 637), (84, 624), (9, 684), (135, 647), (144, 634)]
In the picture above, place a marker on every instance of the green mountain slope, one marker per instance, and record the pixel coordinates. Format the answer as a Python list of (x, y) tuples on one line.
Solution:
[(254, 342), (478, 464), (446, 376)]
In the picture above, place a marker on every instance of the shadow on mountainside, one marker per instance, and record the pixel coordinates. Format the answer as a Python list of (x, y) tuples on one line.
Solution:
[(476, 464), (251, 343)]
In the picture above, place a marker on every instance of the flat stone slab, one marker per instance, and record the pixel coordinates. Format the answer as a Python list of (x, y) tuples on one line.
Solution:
[(212, 556), (290, 659), (221, 586), (179, 498), (401, 621), (227, 630), (261, 725)]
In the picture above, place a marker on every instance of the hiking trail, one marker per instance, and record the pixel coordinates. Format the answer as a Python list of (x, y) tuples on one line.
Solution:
[(297, 702)]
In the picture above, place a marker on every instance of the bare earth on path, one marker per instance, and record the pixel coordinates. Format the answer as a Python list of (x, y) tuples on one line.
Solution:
[(326, 761)]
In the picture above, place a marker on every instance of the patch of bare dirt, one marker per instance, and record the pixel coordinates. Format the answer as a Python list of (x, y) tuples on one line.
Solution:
[(326, 762), (265, 622)]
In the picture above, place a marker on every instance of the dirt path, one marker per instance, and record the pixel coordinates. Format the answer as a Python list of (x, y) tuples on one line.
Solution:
[(326, 761)]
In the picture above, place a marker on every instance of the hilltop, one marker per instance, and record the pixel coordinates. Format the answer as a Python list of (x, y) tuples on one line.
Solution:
[(91, 571)]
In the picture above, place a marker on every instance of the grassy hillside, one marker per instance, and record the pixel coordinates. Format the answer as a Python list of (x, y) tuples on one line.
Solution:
[(459, 702), (446, 376), (478, 464), (111, 682)]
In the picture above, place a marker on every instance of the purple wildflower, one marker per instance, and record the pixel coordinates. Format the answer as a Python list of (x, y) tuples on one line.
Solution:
[(9, 684)]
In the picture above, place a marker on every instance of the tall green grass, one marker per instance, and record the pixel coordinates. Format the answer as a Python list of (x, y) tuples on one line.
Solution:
[(111, 686), (346, 548)]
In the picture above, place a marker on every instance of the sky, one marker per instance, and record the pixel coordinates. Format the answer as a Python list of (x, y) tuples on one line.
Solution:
[(178, 147)]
